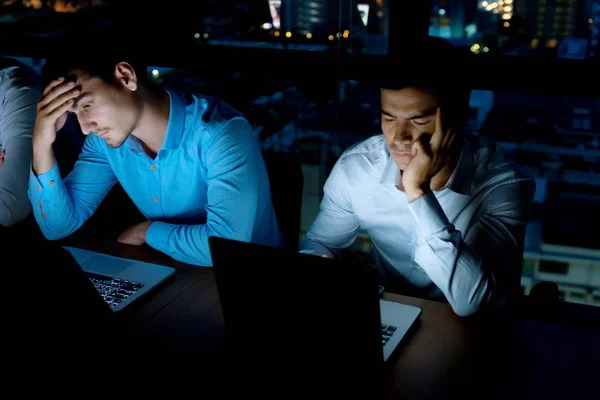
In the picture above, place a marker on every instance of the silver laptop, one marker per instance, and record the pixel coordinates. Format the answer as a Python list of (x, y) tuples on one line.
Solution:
[(396, 320), (120, 281)]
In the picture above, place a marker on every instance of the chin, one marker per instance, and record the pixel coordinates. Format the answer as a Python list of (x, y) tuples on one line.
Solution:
[(116, 143), (401, 164)]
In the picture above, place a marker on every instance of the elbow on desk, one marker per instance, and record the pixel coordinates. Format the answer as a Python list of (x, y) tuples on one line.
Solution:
[(465, 309), (53, 234), (471, 305)]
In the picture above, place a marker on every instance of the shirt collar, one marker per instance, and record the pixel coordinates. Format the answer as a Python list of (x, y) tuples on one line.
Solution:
[(460, 180), (174, 127), (176, 121)]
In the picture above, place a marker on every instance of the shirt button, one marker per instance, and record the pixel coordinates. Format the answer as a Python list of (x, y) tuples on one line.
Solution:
[(156, 199), (39, 189), (44, 215), (51, 183), (153, 168)]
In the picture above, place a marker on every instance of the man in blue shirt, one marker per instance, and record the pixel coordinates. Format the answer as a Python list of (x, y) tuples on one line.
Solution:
[(190, 163), (445, 211)]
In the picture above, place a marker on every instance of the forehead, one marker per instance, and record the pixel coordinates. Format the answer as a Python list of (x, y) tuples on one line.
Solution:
[(410, 98)]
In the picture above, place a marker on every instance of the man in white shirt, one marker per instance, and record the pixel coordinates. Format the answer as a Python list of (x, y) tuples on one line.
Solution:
[(446, 211)]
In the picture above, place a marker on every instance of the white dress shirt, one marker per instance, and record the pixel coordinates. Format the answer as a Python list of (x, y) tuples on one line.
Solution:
[(463, 242)]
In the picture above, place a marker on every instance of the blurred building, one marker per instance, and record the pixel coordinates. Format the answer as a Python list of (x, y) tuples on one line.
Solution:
[(451, 18), (549, 21), (321, 19)]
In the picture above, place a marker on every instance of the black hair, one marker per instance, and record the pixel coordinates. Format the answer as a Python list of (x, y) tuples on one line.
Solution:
[(95, 51), (432, 63)]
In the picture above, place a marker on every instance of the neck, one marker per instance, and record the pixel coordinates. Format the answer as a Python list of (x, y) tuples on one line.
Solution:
[(151, 128)]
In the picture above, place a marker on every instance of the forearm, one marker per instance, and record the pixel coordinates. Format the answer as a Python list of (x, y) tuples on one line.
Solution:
[(456, 268), (185, 243), (311, 246), (43, 158), (52, 205)]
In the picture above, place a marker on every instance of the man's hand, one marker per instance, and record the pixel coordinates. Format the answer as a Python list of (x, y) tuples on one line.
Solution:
[(430, 155), (1, 157), (135, 235), (55, 101)]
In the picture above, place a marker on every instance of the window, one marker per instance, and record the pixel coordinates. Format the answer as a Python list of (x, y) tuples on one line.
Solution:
[(314, 25), (509, 27)]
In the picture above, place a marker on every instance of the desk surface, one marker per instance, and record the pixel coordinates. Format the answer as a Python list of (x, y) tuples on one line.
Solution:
[(491, 356)]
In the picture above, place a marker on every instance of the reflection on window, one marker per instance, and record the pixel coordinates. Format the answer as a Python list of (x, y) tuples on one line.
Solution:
[(356, 26), (558, 28)]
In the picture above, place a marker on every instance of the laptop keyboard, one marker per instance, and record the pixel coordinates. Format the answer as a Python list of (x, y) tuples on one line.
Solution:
[(386, 333), (114, 290)]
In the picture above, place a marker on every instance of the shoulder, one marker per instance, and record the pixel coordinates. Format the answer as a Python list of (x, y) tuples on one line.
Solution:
[(209, 117), (365, 154), (364, 161), (208, 111)]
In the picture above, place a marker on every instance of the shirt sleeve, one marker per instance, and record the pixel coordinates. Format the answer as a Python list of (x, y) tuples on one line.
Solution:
[(234, 164), (335, 227), (16, 126), (472, 268), (61, 206)]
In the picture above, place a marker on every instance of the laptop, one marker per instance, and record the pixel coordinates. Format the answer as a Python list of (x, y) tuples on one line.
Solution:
[(310, 320), (120, 281)]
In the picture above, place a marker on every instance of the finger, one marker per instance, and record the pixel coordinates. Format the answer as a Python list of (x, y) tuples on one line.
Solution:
[(438, 134), (448, 139), (52, 85), (419, 148), (56, 92), (59, 101), (60, 110)]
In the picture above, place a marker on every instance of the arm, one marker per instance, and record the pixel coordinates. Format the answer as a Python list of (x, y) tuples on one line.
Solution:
[(335, 227), (234, 163), (16, 125), (473, 268), (61, 207)]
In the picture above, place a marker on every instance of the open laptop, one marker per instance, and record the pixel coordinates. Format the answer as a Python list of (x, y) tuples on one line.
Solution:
[(294, 310), (120, 281)]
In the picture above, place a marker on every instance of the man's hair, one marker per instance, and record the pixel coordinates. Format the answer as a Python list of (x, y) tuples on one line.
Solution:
[(95, 51), (432, 63)]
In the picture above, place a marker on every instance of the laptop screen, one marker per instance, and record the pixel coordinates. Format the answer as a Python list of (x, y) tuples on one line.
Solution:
[(292, 310)]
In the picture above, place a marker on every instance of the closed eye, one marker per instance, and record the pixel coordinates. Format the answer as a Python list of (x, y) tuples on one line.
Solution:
[(422, 122), (87, 106)]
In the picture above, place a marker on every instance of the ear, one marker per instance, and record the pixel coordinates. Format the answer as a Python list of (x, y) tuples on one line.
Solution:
[(125, 74)]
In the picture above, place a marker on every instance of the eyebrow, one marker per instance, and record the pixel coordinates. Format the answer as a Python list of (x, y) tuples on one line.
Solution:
[(79, 98), (423, 114)]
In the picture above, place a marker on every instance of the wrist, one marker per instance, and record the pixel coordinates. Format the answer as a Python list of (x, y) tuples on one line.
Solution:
[(414, 192), (40, 147)]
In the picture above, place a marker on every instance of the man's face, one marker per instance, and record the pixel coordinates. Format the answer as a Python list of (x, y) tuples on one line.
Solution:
[(406, 115), (107, 110)]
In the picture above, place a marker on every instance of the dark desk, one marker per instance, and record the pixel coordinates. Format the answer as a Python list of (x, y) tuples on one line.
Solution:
[(491, 356)]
